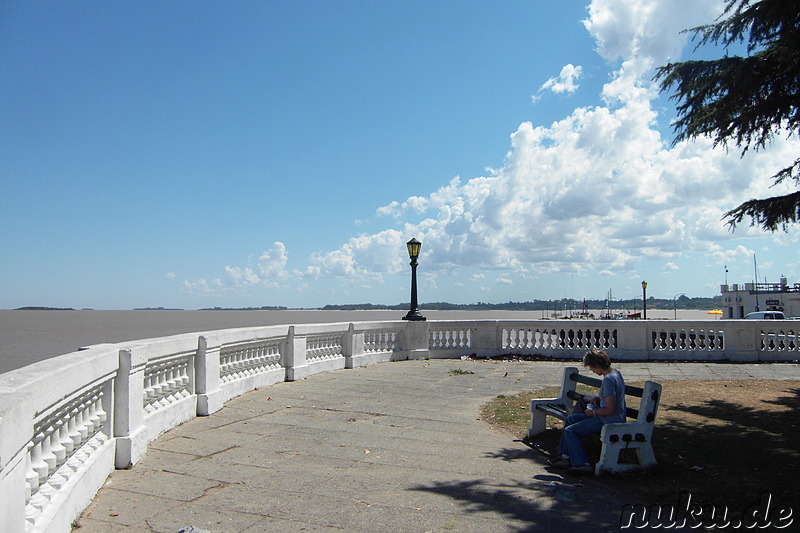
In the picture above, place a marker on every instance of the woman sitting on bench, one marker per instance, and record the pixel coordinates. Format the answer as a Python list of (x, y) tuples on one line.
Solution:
[(611, 408)]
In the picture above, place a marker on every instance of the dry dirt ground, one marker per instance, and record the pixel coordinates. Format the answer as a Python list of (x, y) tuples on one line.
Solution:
[(725, 442)]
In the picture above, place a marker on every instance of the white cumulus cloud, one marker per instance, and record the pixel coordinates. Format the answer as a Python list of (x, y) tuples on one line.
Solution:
[(646, 29), (565, 82), (599, 189)]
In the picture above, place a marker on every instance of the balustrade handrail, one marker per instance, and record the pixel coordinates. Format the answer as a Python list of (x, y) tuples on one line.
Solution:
[(78, 416)]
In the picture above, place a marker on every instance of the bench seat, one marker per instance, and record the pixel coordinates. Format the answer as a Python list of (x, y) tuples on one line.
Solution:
[(636, 433)]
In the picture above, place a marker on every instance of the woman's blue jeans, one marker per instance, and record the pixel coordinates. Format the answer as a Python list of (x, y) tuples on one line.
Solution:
[(576, 427)]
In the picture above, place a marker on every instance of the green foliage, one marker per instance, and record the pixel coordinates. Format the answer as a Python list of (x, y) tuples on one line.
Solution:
[(745, 101)]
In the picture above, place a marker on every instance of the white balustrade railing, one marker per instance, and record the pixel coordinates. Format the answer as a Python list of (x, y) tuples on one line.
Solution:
[(63, 442), (452, 338), (779, 340), (238, 361), (535, 339), (322, 347), (67, 422), (166, 382), (690, 339), (381, 341)]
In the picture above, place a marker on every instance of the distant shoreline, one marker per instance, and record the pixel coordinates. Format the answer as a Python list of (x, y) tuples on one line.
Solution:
[(36, 308), (564, 306)]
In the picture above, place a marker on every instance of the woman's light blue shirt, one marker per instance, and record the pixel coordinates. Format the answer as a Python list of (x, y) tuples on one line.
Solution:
[(613, 385)]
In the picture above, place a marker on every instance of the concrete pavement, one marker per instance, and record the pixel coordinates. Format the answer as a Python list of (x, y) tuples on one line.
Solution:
[(394, 447)]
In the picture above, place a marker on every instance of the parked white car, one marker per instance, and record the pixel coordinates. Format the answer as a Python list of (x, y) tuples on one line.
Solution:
[(766, 315)]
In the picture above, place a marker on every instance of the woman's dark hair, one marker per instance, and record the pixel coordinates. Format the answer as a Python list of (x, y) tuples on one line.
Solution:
[(597, 358)]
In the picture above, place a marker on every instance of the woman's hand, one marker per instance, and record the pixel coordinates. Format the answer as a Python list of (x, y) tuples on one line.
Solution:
[(609, 409)]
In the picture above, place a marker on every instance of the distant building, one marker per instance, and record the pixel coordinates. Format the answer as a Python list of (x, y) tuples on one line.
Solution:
[(738, 300)]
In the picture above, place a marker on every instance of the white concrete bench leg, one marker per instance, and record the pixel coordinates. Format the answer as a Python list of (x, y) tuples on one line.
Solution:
[(538, 421), (613, 440), (539, 418)]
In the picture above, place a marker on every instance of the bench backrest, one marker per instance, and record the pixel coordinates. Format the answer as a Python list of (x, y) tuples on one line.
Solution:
[(650, 396)]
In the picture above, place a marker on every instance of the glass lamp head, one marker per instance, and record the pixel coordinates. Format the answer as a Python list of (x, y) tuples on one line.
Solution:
[(413, 248)]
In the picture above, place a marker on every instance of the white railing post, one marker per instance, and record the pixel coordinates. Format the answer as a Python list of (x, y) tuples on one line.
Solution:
[(16, 421), (645, 341), (746, 342), (129, 430), (295, 356), (415, 339), (207, 378), (633, 341), (485, 338), (353, 345)]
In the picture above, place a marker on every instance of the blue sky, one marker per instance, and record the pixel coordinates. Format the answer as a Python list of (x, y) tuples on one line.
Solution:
[(200, 154)]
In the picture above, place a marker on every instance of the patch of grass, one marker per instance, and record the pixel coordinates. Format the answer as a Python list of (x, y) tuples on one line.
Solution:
[(511, 413), (725, 442), (460, 372)]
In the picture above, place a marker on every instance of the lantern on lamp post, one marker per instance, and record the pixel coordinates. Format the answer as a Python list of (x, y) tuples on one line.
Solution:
[(413, 252), (644, 300)]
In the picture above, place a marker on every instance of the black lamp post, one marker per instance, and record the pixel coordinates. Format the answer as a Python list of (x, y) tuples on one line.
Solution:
[(644, 300), (413, 252), (675, 303)]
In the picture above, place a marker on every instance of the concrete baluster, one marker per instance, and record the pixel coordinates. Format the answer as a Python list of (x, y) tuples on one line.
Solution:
[(102, 430), (247, 361), (47, 465), (64, 436), (97, 416), (56, 447), (236, 362), (44, 466), (31, 477), (148, 393), (37, 465), (187, 379), (83, 422), (173, 380), (162, 390)]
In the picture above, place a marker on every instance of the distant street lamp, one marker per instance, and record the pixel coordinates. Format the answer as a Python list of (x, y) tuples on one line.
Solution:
[(413, 252), (644, 300), (675, 303)]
